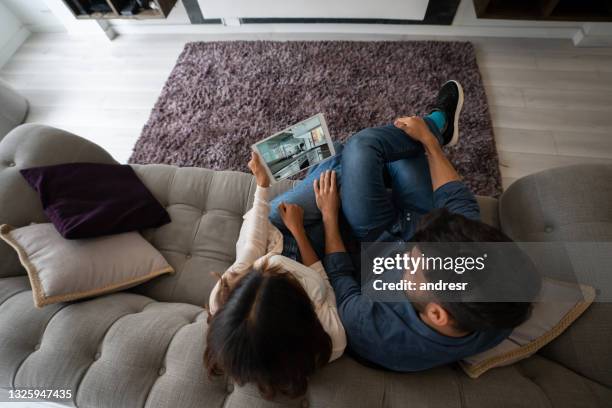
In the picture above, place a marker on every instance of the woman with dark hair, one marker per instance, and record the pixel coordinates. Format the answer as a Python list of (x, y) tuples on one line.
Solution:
[(273, 321)]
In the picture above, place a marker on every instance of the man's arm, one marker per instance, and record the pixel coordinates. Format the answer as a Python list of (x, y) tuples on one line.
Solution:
[(449, 191), (362, 318), (337, 262), (440, 169)]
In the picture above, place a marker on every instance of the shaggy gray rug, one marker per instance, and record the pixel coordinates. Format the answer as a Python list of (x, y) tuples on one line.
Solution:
[(221, 97)]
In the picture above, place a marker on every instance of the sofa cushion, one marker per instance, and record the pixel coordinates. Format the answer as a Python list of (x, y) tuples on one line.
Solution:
[(87, 200), (116, 350), (127, 350), (62, 270), (535, 382), (548, 319)]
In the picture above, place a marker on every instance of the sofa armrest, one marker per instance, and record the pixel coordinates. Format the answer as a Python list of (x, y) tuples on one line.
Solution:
[(568, 204), (13, 109), (30, 146)]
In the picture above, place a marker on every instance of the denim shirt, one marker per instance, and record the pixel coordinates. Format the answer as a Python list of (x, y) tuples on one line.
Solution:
[(392, 335)]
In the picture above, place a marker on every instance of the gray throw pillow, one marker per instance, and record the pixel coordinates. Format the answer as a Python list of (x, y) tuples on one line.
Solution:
[(549, 318), (62, 270)]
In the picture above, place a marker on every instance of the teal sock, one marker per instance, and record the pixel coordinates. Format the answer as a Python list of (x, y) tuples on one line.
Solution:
[(439, 118)]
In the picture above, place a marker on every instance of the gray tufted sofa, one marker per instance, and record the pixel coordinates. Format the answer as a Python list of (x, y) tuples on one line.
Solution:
[(144, 347)]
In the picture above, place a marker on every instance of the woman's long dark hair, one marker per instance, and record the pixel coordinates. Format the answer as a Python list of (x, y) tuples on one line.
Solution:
[(267, 333)]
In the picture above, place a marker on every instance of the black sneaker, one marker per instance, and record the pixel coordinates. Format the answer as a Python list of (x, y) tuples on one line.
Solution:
[(450, 101)]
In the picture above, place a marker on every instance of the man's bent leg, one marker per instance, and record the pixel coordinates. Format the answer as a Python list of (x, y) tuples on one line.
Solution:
[(411, 184), (366, 202)]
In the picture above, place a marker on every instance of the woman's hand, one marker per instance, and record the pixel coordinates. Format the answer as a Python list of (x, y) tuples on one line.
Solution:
[(327, 195), (293, 217), (258, 170), (417, 129)]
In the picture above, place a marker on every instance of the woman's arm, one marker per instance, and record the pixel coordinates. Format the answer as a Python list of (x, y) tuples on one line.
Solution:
[(293, 217), (253, 238)]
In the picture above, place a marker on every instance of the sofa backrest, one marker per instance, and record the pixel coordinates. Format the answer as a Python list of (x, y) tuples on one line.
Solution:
[(568, 204)]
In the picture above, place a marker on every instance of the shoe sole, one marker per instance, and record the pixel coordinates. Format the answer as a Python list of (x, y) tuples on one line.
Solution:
[(455, 137)]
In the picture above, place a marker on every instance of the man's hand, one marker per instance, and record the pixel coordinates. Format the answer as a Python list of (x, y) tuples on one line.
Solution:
[(327, 195), (293, 217), (258, 170), (417, 129)]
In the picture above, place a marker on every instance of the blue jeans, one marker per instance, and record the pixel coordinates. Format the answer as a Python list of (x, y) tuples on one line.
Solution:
[(370, 162)]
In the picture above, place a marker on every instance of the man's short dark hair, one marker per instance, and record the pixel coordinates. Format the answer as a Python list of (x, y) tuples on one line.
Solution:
[(514, 272), (267, 333)]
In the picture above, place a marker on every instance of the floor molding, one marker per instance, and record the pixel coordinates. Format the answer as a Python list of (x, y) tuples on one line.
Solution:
[(583, 39), (370, 29), (13, 44)]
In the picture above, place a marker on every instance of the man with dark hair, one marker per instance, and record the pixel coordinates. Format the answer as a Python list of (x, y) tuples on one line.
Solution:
[(429, 203)]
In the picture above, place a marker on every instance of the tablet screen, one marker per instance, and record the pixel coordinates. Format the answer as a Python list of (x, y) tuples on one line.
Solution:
[(296, 148)]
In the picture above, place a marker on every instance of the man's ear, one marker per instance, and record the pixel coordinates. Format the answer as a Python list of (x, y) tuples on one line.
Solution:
[(437, 315)]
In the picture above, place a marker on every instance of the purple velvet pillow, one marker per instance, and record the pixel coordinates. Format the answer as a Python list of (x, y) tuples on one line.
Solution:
[(86, 200)]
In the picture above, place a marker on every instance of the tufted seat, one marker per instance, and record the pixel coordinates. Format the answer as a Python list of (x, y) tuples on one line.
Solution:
[(144, 347)]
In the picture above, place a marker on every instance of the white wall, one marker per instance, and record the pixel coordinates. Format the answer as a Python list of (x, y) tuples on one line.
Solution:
[(52, 15), (35, 15), (9, 25), (12, 33)]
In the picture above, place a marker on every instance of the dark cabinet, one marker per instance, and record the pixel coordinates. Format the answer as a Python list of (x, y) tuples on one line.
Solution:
[(108, 9), (552, 10)]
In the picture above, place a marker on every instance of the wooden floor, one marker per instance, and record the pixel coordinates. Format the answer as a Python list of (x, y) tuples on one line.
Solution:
[(551, 103)]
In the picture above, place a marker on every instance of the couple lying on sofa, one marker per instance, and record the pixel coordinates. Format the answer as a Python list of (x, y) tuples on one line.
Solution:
[(292, 301)]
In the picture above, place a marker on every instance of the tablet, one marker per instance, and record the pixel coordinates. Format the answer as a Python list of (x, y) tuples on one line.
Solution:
[(296, 148)]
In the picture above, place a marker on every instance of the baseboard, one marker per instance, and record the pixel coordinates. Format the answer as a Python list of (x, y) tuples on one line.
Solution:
[(582, 39), (46, 28), (13, 44), (357, 29)]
